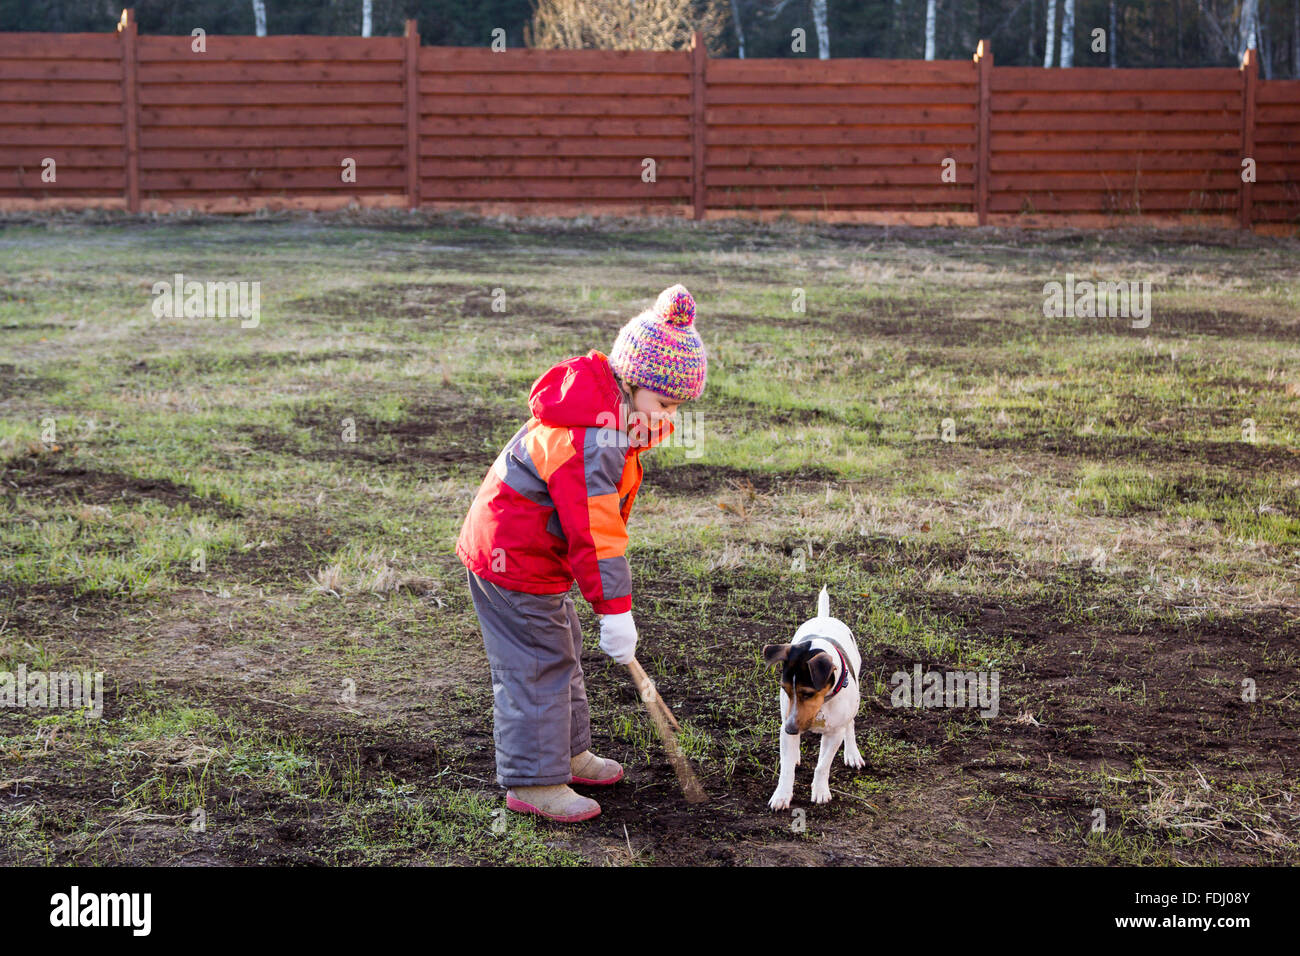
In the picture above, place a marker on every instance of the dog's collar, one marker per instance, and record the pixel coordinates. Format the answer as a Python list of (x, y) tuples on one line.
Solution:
[(844, 661)]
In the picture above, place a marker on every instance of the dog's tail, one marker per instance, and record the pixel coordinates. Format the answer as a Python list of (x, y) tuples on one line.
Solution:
[(823, 603)]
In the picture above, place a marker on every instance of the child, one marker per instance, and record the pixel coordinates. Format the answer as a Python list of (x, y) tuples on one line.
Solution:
[(552, 508)]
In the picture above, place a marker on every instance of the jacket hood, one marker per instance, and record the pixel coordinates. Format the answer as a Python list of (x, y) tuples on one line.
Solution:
[(583, 393), (573, 394)]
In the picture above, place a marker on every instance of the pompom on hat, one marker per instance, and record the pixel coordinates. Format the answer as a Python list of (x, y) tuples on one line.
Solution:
[(660, 349)]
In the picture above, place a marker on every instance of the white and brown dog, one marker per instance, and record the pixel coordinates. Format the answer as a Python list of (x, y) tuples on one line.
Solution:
[(819, 674)]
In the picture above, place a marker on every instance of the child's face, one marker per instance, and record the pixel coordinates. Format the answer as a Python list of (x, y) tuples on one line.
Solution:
[(651, 408)]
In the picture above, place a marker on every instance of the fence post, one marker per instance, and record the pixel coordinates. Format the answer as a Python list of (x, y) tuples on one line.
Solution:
[(699, 66), (130, 117), (984, 67), (411, 88), (1249, 82)]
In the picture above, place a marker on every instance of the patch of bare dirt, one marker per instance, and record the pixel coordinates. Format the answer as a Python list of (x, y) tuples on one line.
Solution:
[(44, 478)]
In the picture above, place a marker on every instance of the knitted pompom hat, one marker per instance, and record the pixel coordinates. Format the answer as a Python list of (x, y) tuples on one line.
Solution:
[(660, 349)]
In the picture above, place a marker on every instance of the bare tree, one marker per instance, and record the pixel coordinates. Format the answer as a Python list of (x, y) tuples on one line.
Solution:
[(929, 29), (259, 17), (1112, 41), (625, 24), (1051, 33), (1248, 28), (823, 31), (1067, 34), (1236, 29), (739, 26)]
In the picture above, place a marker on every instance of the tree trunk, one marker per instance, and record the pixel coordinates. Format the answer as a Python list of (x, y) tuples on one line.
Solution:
[(1249, 28), (929, 29), (1178, 32), (1033, 21), (1067, 34), (823, 32), (1112, 41), (365, 17), (1051, 33), (259, 17), (1265, 41), (739, 27)]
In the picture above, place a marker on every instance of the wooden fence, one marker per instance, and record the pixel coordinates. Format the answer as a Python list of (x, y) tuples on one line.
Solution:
[(147, 123)]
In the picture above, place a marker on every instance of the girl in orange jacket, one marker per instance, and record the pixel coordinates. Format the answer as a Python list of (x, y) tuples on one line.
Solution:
[(553, 508)]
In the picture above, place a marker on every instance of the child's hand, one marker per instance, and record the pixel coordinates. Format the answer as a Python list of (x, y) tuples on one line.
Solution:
[(618, 636)]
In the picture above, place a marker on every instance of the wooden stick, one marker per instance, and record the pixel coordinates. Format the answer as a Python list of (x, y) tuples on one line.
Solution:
[(664, 724), (649, 692)]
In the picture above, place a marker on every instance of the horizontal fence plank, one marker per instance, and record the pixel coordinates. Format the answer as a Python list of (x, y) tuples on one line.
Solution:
[(1277, 91), (1288, 117), (802, 155), (481, 59), (202, 72), (77, 156), (1288, 191), (154, 137), (953, 194), (808, 117), (68, 178), (581, 126), (57, 91), (1221, 179), (271, 94), (331, 120), (841, 135), (550, 146), (1109, 102), (546, 167), (1101, 122), (1012, 78), (624, 104), (892, 72), (61, 46), (435, 188), (554, 84), (1091, 201), (265, 158), (55, 136), (844, 176), (65, 114), (63, 70), (768, 94), (292, 49), (1073, 161), (392, 179), (1135, 140)]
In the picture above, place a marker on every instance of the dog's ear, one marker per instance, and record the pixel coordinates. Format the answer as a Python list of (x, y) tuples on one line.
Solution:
[(822, 669), (775, 653)]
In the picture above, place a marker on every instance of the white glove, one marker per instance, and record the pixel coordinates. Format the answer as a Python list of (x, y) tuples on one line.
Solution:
[(618, 636)]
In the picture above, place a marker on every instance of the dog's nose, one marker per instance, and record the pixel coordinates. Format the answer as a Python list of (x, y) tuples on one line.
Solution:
[(791, 727)]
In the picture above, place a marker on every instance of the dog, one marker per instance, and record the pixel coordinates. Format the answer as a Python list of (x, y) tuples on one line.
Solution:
[(819, 692)]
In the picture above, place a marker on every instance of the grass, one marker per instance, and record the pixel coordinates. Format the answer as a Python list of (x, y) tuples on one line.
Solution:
[(250, 531)]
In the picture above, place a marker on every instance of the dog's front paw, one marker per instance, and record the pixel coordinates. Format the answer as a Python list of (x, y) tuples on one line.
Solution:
[(821, 792), (780, 799), (855, 760)]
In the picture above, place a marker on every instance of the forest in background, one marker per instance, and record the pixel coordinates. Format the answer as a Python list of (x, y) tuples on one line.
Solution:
[(1134, 33)]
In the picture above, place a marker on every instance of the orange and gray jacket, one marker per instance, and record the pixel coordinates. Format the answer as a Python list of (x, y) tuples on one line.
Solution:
[(554, 505)]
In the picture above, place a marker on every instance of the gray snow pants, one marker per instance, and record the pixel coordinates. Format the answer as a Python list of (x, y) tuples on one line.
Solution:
[(539, 710)]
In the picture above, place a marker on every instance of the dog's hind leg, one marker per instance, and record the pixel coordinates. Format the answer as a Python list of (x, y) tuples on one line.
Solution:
[(821, 789), (852, 756)]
